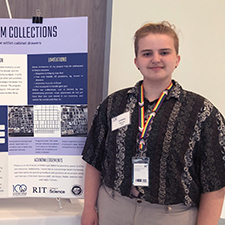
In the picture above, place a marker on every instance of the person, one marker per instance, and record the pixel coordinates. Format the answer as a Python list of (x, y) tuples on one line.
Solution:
[(155, 152)]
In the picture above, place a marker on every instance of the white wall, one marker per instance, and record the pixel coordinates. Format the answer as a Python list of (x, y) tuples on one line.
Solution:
[(202, 43)]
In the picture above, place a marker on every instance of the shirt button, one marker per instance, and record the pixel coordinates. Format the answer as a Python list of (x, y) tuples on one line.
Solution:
[(139, 201)]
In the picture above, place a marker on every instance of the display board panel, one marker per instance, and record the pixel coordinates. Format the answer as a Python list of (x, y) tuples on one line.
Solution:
[(43, 124)]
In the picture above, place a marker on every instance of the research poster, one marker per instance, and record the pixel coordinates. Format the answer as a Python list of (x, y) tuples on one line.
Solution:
[(43, 107)]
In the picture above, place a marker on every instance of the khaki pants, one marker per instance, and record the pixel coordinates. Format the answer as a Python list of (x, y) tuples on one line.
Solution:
[(119, 210)]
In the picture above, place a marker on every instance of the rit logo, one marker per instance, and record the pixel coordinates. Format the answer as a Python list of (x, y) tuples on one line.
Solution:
[(39, 189)]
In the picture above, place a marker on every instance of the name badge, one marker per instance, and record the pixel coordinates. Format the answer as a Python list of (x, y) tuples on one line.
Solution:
[(141, 171), (120, 121)]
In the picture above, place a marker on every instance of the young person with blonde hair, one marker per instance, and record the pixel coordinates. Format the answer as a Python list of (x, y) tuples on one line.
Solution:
[(155, 152)]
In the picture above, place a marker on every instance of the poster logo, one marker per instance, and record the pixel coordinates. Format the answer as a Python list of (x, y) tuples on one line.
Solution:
[(56, 191), (19, 190), (39, 190), (77, 190)]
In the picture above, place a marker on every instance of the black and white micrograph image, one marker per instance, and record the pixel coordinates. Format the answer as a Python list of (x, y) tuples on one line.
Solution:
[(20, 121), (73, 120)]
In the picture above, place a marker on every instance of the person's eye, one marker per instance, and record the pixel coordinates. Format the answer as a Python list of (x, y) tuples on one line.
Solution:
[(164, 53), (146, 54)]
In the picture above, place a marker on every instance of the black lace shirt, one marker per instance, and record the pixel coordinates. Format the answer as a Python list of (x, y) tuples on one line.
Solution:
[(185, 144)]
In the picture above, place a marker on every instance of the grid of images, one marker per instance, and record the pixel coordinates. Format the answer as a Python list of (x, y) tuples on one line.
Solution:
[(25, 121)]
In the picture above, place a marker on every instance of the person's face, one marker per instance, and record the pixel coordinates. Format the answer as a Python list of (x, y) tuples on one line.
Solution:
[(156, 58)]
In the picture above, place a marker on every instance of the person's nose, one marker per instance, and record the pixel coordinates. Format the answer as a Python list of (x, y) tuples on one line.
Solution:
[(156, 58)]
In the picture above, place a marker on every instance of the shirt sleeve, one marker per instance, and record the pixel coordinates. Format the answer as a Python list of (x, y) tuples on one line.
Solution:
[(93, 152), (212, 158)]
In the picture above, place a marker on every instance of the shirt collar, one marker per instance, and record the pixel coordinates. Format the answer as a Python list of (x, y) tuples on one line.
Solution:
[(174, 92)]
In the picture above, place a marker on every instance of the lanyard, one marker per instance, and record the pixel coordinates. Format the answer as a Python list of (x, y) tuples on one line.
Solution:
[(143, 127)]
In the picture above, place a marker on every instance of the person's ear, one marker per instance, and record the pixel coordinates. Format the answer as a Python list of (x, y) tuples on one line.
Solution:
[(178, 61), (136, 62)]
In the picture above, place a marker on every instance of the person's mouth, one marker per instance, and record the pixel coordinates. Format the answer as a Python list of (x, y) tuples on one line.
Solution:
[(155, 68)]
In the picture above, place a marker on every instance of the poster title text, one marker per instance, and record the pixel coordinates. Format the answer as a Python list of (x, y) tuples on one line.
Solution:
[(28, 32)]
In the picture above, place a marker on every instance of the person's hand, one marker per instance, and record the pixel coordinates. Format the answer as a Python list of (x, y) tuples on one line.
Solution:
[(89, 217)]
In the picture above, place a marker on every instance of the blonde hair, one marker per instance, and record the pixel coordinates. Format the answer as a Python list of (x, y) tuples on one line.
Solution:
[(156, 28)]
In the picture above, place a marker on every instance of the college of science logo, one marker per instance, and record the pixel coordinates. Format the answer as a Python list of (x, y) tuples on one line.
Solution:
[(56, 191), (44, 190), (19, 190), (76, 190)]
